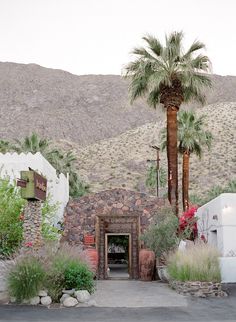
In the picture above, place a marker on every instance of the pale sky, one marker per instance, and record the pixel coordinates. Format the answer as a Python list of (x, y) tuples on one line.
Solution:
[(97, 36)]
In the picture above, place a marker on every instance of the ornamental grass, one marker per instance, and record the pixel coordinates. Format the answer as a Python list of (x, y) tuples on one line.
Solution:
[(199, 262)]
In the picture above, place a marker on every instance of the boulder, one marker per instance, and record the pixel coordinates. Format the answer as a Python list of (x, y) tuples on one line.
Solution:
[(46, 300), (82, 296), (64, 296), (43, 293), (70, 292), (35, 300), (70, 302)]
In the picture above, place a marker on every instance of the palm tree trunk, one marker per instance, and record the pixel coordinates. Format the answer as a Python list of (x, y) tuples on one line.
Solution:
[(172, 156), (185, 180)]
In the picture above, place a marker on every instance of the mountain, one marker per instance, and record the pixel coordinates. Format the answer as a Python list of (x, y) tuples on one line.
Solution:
[(81, 109), (91, 114)]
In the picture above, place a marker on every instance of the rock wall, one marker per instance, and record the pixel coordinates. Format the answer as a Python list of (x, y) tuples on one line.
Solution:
[(32, 236), (80, 216), (198, 289)]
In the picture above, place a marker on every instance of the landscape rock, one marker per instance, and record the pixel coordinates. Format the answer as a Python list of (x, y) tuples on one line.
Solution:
[(46, 300), (64, 296), (82, 296), (43, 293), (35, 300), (70, 292), (70, 302)]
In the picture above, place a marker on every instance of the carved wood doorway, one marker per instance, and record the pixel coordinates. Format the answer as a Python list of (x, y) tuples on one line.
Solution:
[(118, 225)]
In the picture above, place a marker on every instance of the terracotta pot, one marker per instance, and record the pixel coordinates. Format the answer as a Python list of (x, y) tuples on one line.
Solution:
[(146, 264), (92, 255)]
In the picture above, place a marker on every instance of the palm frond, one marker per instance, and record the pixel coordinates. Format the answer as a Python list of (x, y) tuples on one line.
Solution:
[(154, 44)]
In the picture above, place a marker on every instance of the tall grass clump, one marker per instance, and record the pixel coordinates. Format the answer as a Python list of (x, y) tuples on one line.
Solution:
[(68, 269), (26, 278), (197, 263)]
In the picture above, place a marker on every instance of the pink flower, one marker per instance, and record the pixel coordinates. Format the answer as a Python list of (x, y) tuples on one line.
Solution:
[(28, 244)]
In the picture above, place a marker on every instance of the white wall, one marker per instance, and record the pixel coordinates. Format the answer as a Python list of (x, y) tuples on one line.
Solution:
[(217, 222), (12, 163)]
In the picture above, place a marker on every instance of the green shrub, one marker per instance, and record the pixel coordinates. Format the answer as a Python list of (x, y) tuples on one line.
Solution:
[(49, 210), (68, 269), (161, 236), (26, 278), (78, 276), (197, 263), (11, 228)]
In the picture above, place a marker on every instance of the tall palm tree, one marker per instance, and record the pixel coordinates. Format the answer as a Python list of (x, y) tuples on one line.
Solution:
[(192, 138), (168, 75)]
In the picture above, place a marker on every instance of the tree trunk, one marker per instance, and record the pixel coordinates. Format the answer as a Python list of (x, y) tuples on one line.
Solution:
[(172, 156), (185, 180)]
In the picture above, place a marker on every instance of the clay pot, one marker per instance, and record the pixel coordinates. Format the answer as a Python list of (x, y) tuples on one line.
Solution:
[(146, 264), (92, 255)]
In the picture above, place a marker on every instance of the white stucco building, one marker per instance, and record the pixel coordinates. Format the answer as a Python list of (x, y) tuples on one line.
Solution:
[(217, 223), (58, 186)]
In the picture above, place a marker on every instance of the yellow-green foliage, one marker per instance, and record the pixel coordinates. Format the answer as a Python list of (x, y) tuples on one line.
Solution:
[(197, 263)]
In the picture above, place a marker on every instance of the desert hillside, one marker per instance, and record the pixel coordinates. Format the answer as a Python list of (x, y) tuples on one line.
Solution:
[(122, 161), (92, 115), (81, 109)]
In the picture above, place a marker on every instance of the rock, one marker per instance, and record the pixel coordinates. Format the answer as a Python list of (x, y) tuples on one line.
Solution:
[(43, 293), (64, 296), (46, 300), (70, 292), (82, 296), (70, 302), (12, 299), (25, 301), (35, 300)]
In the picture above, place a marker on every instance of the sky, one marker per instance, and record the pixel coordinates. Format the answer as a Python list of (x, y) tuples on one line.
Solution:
[(97, 36)]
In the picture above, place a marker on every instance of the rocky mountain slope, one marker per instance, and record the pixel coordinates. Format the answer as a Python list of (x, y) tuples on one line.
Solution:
[(82, 109), (92, 115), (122, 161)]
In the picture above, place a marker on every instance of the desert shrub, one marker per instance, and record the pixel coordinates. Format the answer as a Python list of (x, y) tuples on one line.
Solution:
[(11, 228), (197, 263), (161, 236), (67, 268), (151, 178), (78, 276), (26, 278), (214, 192), (49, 210)]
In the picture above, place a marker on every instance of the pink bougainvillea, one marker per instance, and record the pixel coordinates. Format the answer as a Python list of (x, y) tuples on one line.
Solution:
[(188, 221), (29, 244)]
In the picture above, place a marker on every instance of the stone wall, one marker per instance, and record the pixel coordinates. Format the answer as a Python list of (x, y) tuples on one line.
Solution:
[(198, 289), (81, 215), (32, 236)]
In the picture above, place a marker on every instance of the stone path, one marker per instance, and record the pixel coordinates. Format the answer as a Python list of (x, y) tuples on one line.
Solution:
[(131, 294)]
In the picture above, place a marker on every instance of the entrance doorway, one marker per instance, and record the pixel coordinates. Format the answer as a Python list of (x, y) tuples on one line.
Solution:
[(118, 253)]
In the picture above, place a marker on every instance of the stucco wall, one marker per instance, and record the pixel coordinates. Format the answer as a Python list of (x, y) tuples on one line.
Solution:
[(217, 222), (12, 163)]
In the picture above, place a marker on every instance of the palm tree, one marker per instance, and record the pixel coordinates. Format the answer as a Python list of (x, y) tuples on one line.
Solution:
[(167, 75), (5, 146), (33, 144), (192, 137)]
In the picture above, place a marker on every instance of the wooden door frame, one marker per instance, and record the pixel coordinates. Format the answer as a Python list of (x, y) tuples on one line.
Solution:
[(106, 251)]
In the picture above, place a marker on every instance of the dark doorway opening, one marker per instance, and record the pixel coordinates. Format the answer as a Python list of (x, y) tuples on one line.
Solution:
[(118, 256)]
